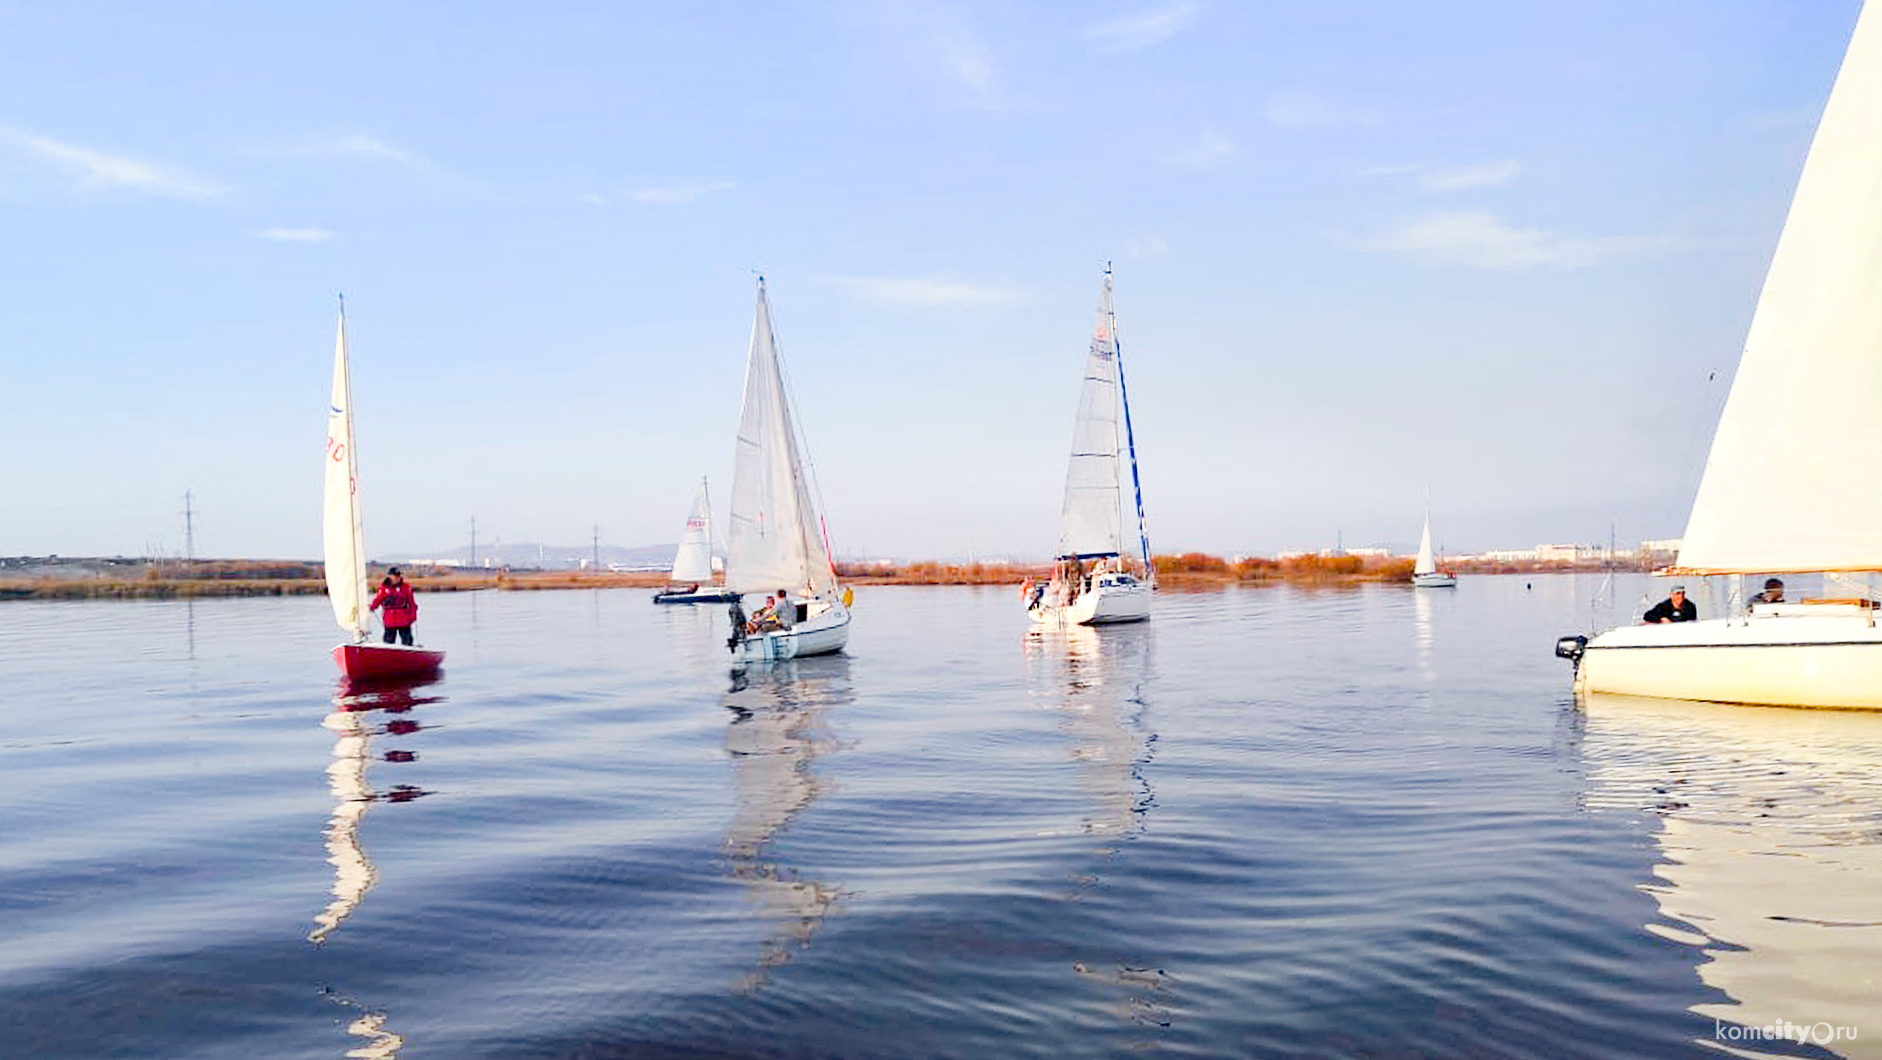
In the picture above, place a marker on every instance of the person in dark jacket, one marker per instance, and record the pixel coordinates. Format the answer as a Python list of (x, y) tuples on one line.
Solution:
[(1773, 592), (1675, 608), (401, 607)]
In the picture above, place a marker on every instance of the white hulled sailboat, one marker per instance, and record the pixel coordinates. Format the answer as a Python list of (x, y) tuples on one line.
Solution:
[(775, 543), (1786, 485), (1091, 530), (1425, 572), (692, 562), (345, 544)]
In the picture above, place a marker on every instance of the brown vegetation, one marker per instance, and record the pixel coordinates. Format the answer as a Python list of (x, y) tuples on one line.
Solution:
[(181, 579), (929, 573), (1200, 570), (178, 579)]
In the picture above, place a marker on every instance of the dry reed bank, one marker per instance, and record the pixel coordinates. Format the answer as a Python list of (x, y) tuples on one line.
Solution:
[(177, 579)]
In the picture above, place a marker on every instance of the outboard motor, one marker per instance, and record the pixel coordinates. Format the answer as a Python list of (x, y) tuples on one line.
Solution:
[(1571, 648), (738, 624)]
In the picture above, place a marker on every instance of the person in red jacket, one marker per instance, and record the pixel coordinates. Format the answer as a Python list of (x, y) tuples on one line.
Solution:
[(401, 607)]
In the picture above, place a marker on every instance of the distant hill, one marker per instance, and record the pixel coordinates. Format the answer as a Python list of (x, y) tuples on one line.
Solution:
[(529, 555)]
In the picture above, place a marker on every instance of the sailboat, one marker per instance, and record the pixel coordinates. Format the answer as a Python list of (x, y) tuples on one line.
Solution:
[(1787, 484), (346, 548), (1091, 529), (776, 543), (692, 562), (1425, 572)]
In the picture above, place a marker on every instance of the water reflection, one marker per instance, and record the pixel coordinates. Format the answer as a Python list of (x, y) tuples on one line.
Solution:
[(381, 1044), (695, 635), (360, 713), (354, 726), (1771, 830), (776, 734), (1095, 680), (1422, 630)]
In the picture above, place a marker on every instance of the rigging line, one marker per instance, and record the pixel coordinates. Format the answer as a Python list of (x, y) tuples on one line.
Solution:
[(1130, 440), (1704, 425), (803, 441)]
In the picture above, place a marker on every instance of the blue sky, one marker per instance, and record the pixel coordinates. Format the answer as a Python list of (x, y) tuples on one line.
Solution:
[(1360, 248)]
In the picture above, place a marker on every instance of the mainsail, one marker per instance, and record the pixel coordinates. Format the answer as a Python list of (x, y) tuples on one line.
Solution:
[(1427, 560), (1090, 524), (1784, 488), (693, 562), (345, 554), (775, 540)]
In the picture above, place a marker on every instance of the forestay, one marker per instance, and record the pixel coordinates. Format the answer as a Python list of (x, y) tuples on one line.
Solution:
[(774, 539), (340, 526), (1789, 482), (1090, 524)]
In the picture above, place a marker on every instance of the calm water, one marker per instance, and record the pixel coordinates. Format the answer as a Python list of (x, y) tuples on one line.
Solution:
[(1279, 823)]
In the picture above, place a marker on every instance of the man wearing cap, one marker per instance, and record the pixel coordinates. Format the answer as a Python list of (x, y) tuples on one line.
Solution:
[(1773, 592), (1675, 608)]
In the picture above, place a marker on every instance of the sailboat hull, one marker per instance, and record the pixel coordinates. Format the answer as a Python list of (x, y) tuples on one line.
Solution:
[(818, 635), (1435, 581), (1785, 658), (704, 596), (371, 661), (1104, 605)]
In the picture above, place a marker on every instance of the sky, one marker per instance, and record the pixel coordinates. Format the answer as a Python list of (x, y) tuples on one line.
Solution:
[(1503, 253)]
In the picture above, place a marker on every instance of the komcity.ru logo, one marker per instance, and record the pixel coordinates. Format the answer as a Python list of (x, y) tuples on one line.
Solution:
[(1784, 1031)]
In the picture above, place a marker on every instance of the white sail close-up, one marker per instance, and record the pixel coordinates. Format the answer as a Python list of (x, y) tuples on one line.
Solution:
[(340, 525), (774, 540), (1777, 494), (1427, 560), (1090, 523), (693, 561)]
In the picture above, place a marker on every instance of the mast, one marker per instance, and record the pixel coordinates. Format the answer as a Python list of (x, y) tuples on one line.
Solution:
[(1130, 437)]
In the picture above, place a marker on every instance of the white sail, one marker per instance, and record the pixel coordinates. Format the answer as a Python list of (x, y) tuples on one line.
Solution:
[(775, 540), (1427, 560), (345, 554), (1778, 493), (692, 564), (1090, 524)]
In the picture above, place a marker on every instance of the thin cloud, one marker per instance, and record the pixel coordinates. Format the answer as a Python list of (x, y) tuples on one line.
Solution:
[(295, 235), (675, 195), (928, 293), (1136, 32), (1147, 247), (99, 170), (1211, 150), (368, 147), (1307, 110), (940, 37), (1485, 241), (1464, 178), (355, 146), (593, 198)]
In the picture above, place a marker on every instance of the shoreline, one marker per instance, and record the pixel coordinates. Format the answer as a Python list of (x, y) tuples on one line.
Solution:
[(208, 579)]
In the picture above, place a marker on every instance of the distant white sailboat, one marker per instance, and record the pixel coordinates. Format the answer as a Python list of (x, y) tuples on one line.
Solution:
[(1091, 530), (1425, 572), (345, 544), (775, 541), (692, 561), (1786, 487)]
